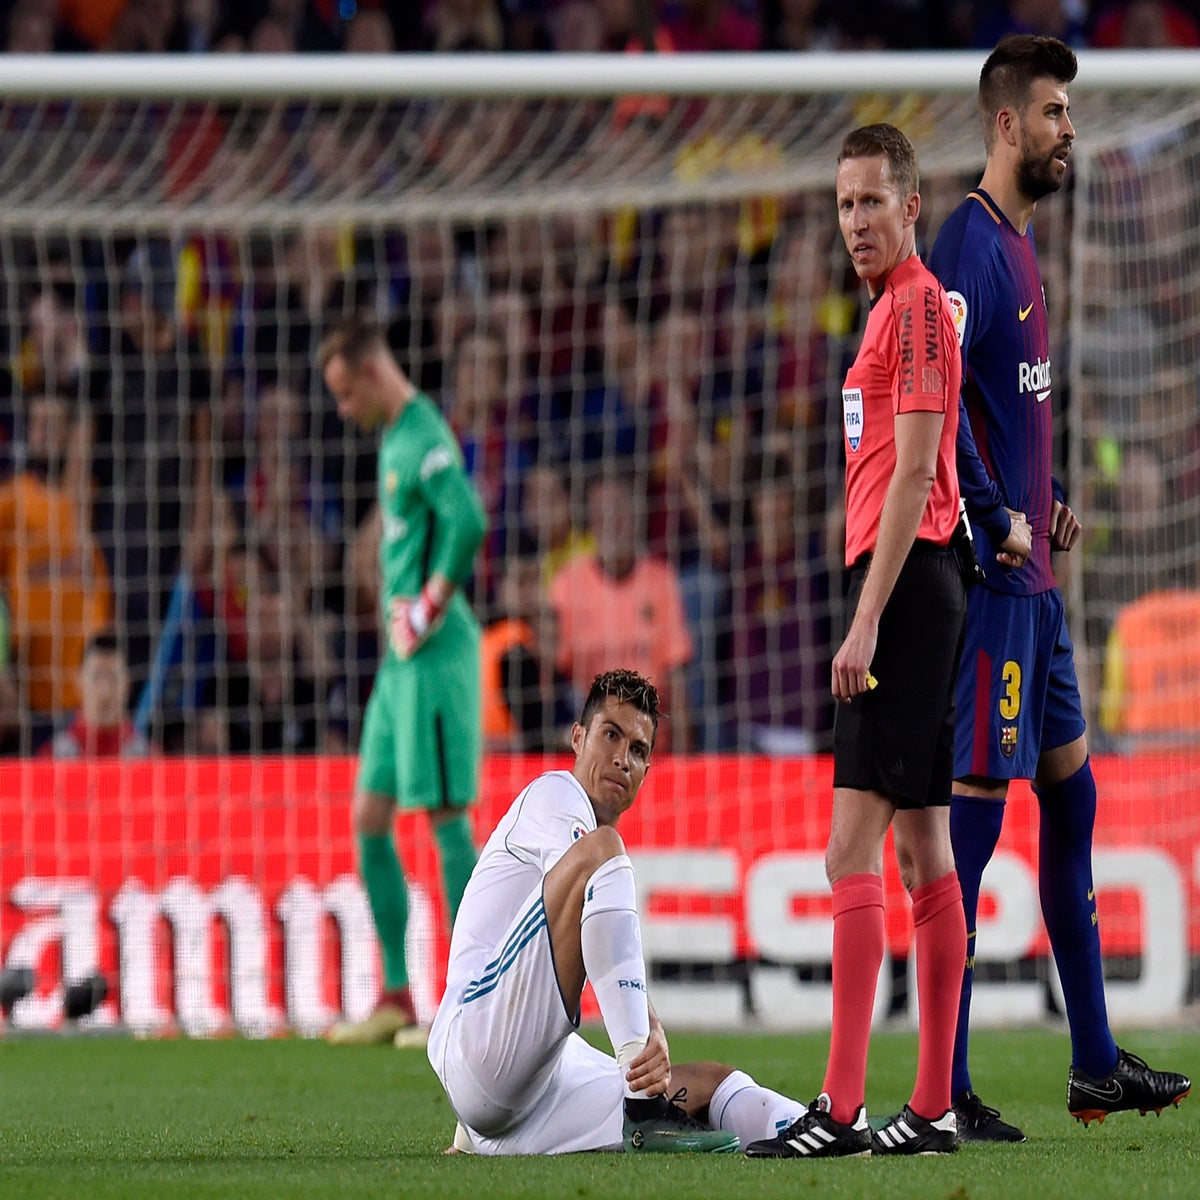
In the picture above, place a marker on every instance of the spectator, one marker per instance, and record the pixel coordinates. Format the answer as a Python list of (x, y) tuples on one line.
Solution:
[(695, 247), (526, 26), (306, 26), (211, 632), (10, 699), (622, 403), (460, 26), (53, 574), (689, 521), (781, 670), (274, 701), (625, 27), (228, 41), (527, 703), (295, 281), (209, 287), (596, 417), (101, 728), (52, 356), (575, 417), (708, 25), (412, 24), (155, 398), (798, 25), (90, 23), (369, 32), (571, 298), (1151, 693), (1145, 25), (1063, 19), (429, 274), (479, 413), (360, 646), (144, 26), (30, 28), (555, 268), (546, 515), (282, 503), (886, 25), (199, 27), (270, 36), (1133, 543), (578, 28), (619, 605), (805, 316)]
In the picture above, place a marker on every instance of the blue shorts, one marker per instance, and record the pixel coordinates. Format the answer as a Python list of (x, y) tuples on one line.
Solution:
[(1018, 695)]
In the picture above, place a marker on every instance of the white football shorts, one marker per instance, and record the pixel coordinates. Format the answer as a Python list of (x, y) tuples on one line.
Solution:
[(519, 1077)]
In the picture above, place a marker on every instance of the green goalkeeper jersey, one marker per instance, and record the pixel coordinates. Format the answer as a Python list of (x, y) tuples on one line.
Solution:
[(433, 520)]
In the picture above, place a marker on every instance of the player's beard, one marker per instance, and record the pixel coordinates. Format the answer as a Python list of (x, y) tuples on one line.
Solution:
[(1038, 174)]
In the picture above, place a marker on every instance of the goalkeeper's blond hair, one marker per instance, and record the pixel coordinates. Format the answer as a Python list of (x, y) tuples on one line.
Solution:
[(354, 339)]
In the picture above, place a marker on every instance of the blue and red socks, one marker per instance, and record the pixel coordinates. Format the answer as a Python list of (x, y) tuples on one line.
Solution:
[(1068, 817), (975, 825)]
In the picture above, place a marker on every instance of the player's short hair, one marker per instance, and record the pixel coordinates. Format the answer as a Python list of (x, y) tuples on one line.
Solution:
[(354, 338), (627, 687), (1011, 69), (884, 141)]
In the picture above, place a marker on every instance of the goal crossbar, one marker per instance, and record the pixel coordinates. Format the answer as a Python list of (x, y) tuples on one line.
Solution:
[(343, 76)]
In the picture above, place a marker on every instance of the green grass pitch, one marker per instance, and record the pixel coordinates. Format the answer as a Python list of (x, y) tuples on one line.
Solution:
[(111, 1117)]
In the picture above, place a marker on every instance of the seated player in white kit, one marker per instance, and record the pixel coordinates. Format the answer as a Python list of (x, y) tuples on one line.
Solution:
[(551, 902)]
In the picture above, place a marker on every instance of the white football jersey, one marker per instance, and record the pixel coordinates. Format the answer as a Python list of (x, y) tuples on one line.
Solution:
[(545, 819)]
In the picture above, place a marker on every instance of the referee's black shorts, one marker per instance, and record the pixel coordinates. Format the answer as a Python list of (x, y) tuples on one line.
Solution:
[(898, 739)]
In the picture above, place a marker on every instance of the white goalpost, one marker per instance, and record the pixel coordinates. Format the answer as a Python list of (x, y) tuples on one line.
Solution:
[(616, 267)]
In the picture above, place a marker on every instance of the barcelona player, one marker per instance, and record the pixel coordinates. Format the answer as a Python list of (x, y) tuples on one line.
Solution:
[(1018, 703)]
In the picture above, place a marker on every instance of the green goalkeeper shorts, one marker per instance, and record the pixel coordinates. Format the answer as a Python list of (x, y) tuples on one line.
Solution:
[(421, 738)]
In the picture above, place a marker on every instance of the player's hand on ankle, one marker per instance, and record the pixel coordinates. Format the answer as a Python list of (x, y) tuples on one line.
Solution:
[(651, 1071)]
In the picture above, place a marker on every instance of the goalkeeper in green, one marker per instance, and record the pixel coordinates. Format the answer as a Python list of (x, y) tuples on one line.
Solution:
[(421, 735)]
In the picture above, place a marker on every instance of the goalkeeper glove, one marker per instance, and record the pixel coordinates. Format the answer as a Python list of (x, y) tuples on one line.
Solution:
[(410, 622)]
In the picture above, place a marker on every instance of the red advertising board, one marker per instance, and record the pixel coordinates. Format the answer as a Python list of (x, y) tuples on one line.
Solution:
[(220, 893)]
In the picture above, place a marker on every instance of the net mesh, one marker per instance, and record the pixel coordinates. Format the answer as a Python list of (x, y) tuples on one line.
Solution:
[(1138, 262), (644, 291)]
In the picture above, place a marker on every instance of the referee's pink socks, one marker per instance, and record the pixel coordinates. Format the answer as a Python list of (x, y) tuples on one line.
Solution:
[(940, 931), (858, 941)]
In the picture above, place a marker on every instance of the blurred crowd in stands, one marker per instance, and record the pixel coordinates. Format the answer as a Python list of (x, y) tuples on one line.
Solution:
[(648, 403), (385, 26), (646, 433)]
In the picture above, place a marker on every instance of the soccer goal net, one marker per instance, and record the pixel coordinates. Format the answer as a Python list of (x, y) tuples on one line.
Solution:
[(624, 284)]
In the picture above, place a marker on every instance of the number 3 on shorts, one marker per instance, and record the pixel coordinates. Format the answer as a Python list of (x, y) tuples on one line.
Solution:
[(1010, 698)]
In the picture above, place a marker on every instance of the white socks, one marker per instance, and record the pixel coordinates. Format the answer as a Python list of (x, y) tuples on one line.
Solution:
[(753, 1112), (611, 939)]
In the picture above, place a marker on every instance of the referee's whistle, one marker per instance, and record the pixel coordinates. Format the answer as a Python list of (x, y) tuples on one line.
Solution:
[(872, 682)]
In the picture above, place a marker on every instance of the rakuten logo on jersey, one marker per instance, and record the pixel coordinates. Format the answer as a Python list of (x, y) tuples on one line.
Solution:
[(1034, 377)]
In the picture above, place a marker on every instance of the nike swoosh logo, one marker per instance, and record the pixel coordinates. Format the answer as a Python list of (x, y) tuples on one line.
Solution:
[(1042, 395), (1022, 313), (1091, 893), (1110, 1089)]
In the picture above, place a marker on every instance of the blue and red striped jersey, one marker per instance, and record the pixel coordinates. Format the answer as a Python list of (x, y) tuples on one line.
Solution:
[(1005, 438)]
